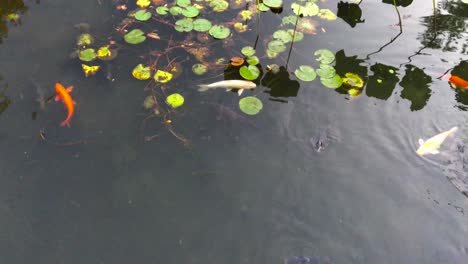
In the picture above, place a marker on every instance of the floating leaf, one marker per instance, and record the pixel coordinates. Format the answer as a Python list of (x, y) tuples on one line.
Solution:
[(248, 51), (135, 36), (89, 70), (219, 32), (162, 10), (309, 9), (175, 100), (175, 10), (162, 76), (253, 60), (220, 61), (202, 25), (142, 15), (219, 5), (239, 27), (199, 69), (143, 3), (245, 14), (305, 73), (183, 3), (282, 35), (325, 56), (149, 102), (296, 36), (326, 71), (271, 54), (250, 72), (333, 82), (289, 20), (263, 8), (353, 80), (237, 61), (354, 92), (184, 25), (84, 40), (326, 14), (250, 105), (273, 3), (87, 55), (141, 72), (276, 46), (307, 26), (190, 11)]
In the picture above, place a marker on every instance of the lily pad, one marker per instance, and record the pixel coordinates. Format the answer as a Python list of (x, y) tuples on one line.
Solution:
[(253, 60), (175, 100), (263, 8), (309, 9), (248, 51), (135, 36), (162, 10), (87, 55), (305, 73), (250, 105), (141, 72), (237, 61), (199, 69), (333, 82), (298, 36), (183, 3), (282, 35), (250, 72), (219, 5), (325, 56), (143, 3), (353, 80), (175, 10), (289, 20), (202, 25), (273, 3), (90, 70), (326, 14), (106, 54), (240, 27), (184, 25), (326, 71), (142, 15), (276, 46), (162, 76), (84, 40), (219, 32), (245, 14), (190, 11)]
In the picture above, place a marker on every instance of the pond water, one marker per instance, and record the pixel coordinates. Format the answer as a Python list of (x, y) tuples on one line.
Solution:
[(219, 186)]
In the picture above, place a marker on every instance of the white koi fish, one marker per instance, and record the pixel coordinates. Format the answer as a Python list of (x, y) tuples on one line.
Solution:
[(432, 145), (229, 84)]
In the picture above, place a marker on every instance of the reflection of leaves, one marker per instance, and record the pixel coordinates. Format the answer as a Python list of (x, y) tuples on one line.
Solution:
[(415, 85), (6, 8), (350, 12), (446, 32), (382, 83), (280, 84), (403, 3), (5, 101)]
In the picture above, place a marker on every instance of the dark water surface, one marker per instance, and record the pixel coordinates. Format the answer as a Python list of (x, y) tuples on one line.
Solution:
[(246, 191)]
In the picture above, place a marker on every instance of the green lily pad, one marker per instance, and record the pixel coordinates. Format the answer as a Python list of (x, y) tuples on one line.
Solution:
[(141, 72), (250, 72), (175, 100), (309, 9), (202, 25), (190, 11), (84, 40), (135, 36), (183, 3), (248, 51), (326, 71), (276, 46), (184, 25), (273, 3), (142, 15), (263, 8), (305, 73), (298, 36), (353, 80), (219, 32), (162, 10), (271, 54), (325, 56), (326, 14), (282, 35), (289, 20), (219, 5), (87, 55), (199, 69), (250, 105), (175, 10), (253, 60), (333, 82)]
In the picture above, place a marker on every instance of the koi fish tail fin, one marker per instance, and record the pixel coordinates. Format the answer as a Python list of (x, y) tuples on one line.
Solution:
[(203, 87), (453, 130), (65, 123)]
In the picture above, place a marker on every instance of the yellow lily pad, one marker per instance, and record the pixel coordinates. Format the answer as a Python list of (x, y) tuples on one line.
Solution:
[(162, 76), (143, 3), (90, 70), (141, 72), (175, 100)]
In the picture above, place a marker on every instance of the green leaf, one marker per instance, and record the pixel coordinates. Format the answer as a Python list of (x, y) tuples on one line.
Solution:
[(250, 72), (305, 73), (202, 25), (162, 10), (282, 35), (175, 10), (199, 69), (289, 20), (333, 82), (175, 100), (353, 80), (190, 11), (309, 9), (142, 15), (298, 36), (326, 14), (250, 105), (325, 56), (263, 8), (271, 54), (248, 51), (276, 46), (84, 40), (273, 3), (219, 32), (183, 3), (253, 60), (135, 36), (219, 5), (184, 25), (87, 55), (326, 71), (141, 72)]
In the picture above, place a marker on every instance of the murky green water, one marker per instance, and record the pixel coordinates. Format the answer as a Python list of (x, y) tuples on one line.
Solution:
[(247, 190)]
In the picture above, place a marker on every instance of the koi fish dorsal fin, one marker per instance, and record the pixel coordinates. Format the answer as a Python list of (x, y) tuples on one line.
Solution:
[(421, 141)]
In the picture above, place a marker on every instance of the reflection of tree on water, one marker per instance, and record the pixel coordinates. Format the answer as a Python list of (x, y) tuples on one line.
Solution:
[(5, 101), (8, 7), (416, 89), (461, 95)]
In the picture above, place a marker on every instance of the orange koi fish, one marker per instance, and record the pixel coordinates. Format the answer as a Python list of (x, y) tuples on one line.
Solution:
[(64, 95), (455, 80)]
